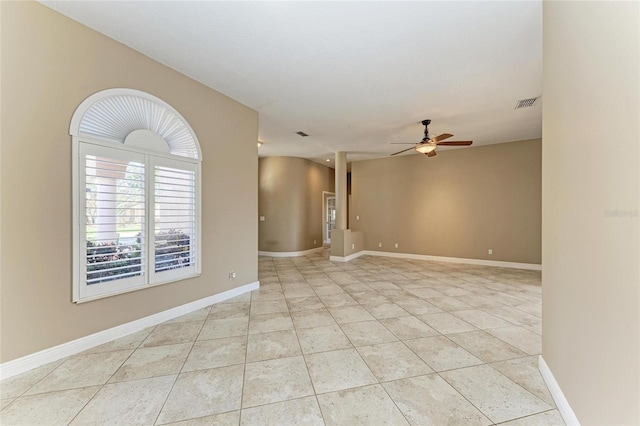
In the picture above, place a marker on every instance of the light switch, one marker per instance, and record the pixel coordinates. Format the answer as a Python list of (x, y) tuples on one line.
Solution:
[(261, 218)]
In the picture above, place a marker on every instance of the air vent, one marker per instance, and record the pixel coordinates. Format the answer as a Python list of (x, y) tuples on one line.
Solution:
[(303, 134), (526, 103)]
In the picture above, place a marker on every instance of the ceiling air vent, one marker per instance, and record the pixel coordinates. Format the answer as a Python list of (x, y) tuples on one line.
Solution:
[(303, 134), (526, 103)]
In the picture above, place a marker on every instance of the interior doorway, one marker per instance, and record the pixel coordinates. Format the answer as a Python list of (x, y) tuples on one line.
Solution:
[(328, 215)]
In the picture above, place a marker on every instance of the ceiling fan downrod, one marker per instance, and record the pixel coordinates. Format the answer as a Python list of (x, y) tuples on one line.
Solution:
[(426, 123)]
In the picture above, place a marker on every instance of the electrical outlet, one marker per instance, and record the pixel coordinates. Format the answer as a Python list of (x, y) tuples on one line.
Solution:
[(262, 219), (396, 245), (353, 246), (314, 242), (490, 251), (232, 275), (379, 244), (357, 217)]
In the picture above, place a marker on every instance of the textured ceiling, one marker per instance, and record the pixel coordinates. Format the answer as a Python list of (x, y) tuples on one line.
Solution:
[(355, 76)]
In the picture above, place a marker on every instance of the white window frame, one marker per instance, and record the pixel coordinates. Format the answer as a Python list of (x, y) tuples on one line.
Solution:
[(82, 292), (189, 157)]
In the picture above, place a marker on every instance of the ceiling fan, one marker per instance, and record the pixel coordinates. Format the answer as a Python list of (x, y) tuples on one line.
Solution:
[(427, 145)]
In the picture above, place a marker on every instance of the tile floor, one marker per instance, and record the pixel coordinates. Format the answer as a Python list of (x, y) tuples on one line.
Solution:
[(373, 341)]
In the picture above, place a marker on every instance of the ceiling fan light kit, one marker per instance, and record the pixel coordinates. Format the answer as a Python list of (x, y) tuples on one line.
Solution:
[(428, 144), (426, 147)]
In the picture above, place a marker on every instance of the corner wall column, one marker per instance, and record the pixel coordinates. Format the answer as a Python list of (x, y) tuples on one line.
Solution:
[(341, 190)]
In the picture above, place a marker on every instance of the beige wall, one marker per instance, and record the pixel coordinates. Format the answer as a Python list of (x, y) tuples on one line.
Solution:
[(290, 199), (458, 204), (49, 65), (591, 158)]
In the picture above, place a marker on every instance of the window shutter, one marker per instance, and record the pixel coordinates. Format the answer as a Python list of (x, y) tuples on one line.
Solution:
[(113, 224), (174, 225)]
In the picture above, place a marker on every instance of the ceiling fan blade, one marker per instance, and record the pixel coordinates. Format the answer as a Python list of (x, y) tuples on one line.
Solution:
[(402, 143), (441, 137), (404, 150), (456, 143), (431, 153)]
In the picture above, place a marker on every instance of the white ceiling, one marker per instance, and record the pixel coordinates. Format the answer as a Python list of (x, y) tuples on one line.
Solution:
[(355, 76)]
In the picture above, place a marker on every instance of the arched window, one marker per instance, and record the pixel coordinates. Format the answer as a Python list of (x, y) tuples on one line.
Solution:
[(136, 194)]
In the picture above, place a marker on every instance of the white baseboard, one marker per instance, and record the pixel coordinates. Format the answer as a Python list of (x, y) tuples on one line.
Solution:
[(28, 362), (558, 396), (498, 263), (345, 258), (289, 253)]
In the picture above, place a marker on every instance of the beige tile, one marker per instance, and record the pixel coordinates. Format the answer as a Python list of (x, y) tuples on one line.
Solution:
[(446, 323), (337, 370), (336, 300), (81, 371), (202, 393), (279, 344), (169, 334), (153, 362), (418, 307), (408, 327), (309, 303), (449, 303), (370, 296), (298, 292), (268, 323), (548, 418), (275, 380), (369, 405), (215, 353), (499, 398), (479, 301), (382, 285), (229, 310), (6, 402), (127, 403), (313, 318), (224, 327), (57, 408), (132, 341), (441, 353), (17, 385), (425, 293), (535, 327), (385, 310), (524, 371), (514, 315), (232, 418), (268, 307), (455, 291), (315, 282), (263, 295), (199, 315), (392, 361), (521, 338), (481, 319), (320, 339), (486, 347), (303, 411), (429, 400), (368, 333), (356, 288), (346, 314), (533, 308), (343, 278), (328, 289)]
